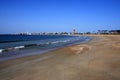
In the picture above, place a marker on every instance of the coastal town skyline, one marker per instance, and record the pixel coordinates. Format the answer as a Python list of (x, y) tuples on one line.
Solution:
[(58, 15)]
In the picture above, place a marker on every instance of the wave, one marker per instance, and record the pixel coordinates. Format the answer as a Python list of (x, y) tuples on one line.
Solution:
[(12, 48), (1, 50), (55, 42), (47, 44), (33, 45), (19, 47)]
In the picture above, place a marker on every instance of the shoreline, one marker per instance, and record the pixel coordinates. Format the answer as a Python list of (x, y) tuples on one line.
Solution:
[(22, 51), (97, 59)]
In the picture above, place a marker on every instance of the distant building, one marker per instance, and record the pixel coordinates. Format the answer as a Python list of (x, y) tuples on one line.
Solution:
[(73, 31), (23, 33)]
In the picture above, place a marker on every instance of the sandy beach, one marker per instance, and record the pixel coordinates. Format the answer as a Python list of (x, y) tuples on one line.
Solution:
[(98, 59)]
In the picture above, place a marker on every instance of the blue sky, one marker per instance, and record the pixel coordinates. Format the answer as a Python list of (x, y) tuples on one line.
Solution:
[(58, 15)]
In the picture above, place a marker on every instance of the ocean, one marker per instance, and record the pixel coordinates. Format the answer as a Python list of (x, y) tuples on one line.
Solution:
[(14, 46)]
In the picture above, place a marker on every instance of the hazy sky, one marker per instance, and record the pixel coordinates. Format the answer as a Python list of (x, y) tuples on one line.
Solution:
[(58, 15)]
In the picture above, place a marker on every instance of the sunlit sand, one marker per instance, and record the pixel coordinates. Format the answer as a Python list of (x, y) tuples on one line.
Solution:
[(98, 59)]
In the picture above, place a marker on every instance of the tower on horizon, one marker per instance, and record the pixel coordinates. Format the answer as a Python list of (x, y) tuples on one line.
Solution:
[(73, 31)]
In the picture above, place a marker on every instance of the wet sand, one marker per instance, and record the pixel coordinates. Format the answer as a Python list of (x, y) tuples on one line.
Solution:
[(98, 59)]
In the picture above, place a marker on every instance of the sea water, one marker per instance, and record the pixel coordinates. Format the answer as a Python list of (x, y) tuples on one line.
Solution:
[(14, 46)]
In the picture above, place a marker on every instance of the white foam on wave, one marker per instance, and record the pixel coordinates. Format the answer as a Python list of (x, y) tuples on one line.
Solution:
[(66, 41), (19, 47), (60, 41), (55, 42), (1, 50), (10, 49)]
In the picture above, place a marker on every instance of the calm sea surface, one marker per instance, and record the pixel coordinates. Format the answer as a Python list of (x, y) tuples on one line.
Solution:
[(13, 46)]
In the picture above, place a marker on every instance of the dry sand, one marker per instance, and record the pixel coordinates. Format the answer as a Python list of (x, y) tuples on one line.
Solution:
[(98, 59)]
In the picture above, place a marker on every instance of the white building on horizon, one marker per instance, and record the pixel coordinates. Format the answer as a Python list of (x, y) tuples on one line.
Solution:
[(73, 31)]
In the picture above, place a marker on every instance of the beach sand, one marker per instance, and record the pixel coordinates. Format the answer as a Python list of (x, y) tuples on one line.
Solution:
[(98, 59)]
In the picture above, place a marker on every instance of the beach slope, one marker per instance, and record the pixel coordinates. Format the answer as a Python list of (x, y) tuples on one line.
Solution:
[(98, 59)]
